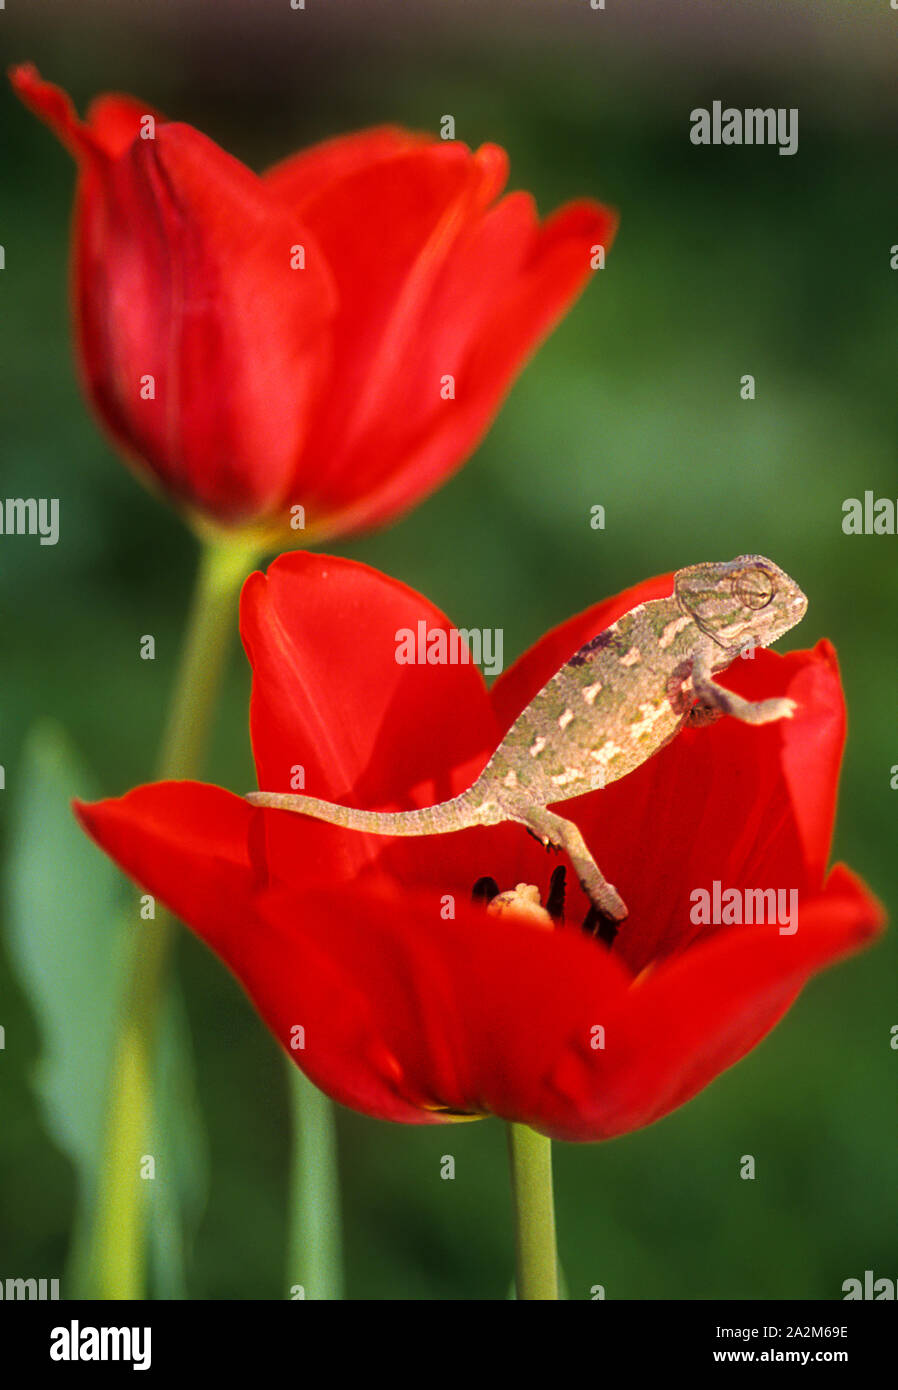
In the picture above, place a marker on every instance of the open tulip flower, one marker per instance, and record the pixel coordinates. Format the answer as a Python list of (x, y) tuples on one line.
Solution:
[(309, 352), (400, 996)]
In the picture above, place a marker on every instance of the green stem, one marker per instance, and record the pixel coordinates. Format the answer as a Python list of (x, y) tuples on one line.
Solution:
[(313, 1236), (118, 1244), (536, 1259), (211, 626)]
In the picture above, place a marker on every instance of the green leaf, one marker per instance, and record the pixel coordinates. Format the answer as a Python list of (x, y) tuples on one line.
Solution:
[(66, 943), (69, 915), (179, 1145)]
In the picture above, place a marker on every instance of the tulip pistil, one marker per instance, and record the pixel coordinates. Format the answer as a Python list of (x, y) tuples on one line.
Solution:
[(524, 901)]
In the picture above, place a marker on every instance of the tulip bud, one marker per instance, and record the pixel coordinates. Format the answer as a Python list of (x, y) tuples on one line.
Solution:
[(273, 352)]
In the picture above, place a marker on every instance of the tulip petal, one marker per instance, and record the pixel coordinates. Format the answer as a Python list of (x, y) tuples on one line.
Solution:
[(449, 294), (411, 1004), (812, 745), (779, 780), (415, 206), (698, 1014), (411, 1017), (431, 436), (188, 844), (259, 345), (113, 120), (379, 981), (230, 397), (304, 176), (718, 804), (329, 696), (518, 685), (334, 689)]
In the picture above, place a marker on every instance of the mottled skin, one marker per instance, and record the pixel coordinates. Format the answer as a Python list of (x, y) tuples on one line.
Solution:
[(614, 703)]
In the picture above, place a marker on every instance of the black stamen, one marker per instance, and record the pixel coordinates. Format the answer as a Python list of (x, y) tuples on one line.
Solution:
[(599, 924), (555, 900), (484, 890)]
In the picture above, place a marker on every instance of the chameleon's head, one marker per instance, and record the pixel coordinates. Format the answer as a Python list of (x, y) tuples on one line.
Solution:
[(748, 598)]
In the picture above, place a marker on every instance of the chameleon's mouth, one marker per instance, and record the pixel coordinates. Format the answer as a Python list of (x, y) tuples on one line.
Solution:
[(524, 901)]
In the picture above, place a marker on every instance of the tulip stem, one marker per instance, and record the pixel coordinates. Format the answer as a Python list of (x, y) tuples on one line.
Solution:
[(211, 628), (536, 1258), (314, 1264), (119, 1237)]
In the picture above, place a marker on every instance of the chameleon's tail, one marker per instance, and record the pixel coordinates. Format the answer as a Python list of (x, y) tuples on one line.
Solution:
[(430, 820)]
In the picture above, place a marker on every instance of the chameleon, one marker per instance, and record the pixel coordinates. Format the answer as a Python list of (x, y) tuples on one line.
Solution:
[(612, 705)]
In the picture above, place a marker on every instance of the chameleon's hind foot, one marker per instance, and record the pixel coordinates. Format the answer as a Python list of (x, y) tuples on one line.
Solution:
[(605, 899), (563, 834), (542, 839)]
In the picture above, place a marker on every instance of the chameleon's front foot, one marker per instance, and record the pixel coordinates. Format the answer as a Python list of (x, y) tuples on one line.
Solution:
[(748, 711), (714, 697), (766, 711)]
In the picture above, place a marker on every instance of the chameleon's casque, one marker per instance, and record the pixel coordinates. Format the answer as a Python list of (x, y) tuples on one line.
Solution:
[(616, 701), (747, 599)]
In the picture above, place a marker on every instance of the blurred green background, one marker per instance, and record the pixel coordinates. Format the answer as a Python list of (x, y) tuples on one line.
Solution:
[(728, 261)]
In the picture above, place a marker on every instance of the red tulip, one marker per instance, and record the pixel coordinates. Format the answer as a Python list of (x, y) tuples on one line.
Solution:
[(334, 336), (411, 1013)]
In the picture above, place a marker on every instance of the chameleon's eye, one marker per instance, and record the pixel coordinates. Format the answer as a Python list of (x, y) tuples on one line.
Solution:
[(754, 588)]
